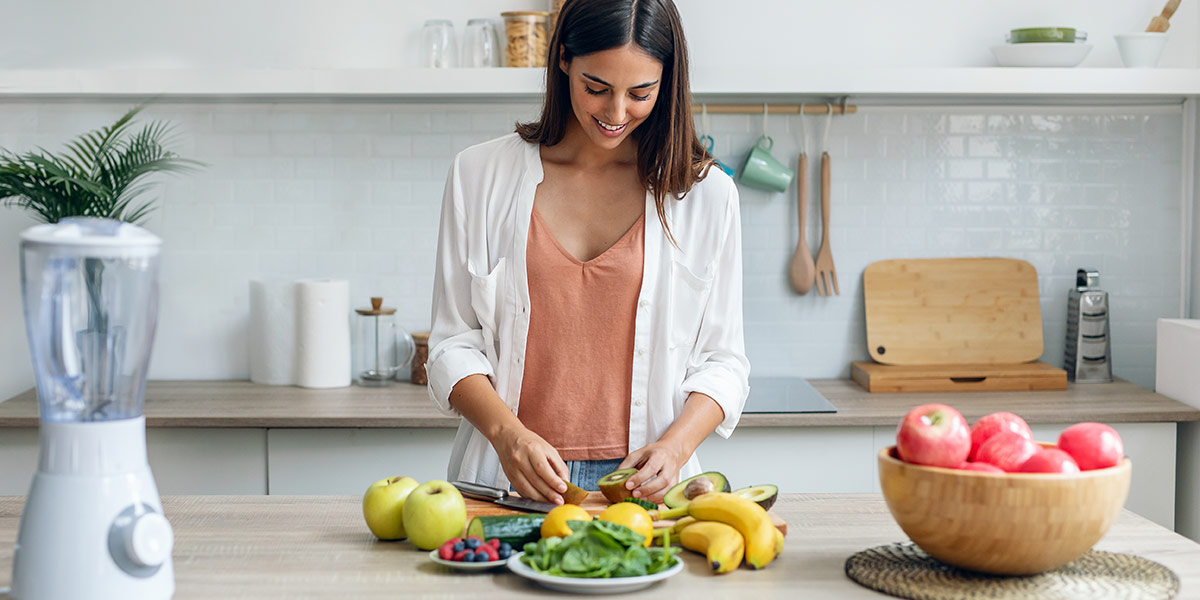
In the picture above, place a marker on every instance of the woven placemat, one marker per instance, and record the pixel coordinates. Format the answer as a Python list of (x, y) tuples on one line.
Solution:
[(905, 571)]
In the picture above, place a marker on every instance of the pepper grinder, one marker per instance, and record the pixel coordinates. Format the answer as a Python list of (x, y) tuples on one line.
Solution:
[(379, 341)]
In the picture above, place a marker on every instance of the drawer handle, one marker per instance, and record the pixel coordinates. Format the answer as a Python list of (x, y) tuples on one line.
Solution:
[(967, 379)]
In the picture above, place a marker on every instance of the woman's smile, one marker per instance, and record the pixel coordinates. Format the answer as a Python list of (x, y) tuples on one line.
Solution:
[(609, 129)]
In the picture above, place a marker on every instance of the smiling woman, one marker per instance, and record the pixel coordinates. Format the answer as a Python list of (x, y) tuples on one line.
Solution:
[(576, 334)]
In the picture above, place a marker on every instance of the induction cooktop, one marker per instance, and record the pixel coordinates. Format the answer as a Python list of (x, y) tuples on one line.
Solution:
[(785, 395)]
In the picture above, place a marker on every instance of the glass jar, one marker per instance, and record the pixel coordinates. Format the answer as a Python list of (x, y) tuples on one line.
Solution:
[(381, 346), (418, 375), (481, 45), (440, 48), (525, 31), (552, 21)]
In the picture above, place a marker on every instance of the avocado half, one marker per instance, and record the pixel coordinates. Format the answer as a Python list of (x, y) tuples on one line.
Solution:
[(613, 485), (681, 493), (764, 494)]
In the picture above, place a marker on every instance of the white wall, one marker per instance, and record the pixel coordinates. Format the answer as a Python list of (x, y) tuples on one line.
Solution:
[(385, 33)]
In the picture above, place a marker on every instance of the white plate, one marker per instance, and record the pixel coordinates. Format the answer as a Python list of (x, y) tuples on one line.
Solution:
[(465, 566), (579, 585), (1049, 54)]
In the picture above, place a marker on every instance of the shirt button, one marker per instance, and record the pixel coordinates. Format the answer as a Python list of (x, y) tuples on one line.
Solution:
[(641, 351), (637, 402), (643, 303)]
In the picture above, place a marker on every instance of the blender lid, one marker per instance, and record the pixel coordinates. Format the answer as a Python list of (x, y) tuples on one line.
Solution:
[(92, 233)]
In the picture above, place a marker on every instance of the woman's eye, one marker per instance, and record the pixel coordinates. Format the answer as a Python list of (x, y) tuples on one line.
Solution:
[(640, 98), (593, 92)]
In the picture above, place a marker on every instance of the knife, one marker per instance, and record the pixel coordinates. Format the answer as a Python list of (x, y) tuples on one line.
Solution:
[(501, 497)]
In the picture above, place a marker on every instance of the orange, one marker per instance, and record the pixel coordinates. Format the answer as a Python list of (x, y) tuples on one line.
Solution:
[(631, 516), (555, 524)]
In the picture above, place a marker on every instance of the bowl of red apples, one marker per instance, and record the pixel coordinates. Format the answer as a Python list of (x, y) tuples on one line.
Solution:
[(988, 498)]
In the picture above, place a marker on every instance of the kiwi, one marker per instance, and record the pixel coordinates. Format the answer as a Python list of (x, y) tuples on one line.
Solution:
[(574, 494), (764, 494), (613, 484)]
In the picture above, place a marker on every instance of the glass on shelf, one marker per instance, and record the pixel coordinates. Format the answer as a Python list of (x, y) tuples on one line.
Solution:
[(439, 48), (481, 44)]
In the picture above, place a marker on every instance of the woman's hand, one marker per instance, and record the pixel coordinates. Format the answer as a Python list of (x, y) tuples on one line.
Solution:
[(658, 467), (532, 465)]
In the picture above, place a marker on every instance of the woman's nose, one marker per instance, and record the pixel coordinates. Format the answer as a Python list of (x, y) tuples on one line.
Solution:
[(616, 110)]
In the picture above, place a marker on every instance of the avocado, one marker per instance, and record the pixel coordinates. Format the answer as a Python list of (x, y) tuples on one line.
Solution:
[(613, 485), (764, 494), (689, 488)]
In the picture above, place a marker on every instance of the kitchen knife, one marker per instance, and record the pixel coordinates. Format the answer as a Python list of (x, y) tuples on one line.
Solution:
[(501, 497)]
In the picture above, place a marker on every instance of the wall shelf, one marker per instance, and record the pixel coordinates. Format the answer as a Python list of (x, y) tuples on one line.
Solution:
[(864, 85)]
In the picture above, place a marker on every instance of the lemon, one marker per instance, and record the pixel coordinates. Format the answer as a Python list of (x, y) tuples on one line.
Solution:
[(631, 516), (555, 524)]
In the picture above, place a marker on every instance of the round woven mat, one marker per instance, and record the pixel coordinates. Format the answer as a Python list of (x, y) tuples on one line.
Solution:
[(905, 571)]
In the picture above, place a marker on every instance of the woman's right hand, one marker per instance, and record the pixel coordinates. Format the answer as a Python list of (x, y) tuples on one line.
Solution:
[(532, 465)]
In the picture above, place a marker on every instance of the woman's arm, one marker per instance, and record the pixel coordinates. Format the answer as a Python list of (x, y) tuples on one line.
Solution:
[(659, 463), (532, 464)]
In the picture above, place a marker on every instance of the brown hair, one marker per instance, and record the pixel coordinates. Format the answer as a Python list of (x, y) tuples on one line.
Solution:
[(670, 158)]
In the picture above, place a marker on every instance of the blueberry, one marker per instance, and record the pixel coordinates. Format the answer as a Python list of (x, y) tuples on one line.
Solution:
[(458, 547), (504, 553), (469, 556), (482, 557), (505, 547), (472, 543)]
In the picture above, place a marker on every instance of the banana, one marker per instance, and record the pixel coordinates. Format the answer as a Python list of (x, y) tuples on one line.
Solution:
[(744, 515), (778, 542), (721, 544), (680, 524)]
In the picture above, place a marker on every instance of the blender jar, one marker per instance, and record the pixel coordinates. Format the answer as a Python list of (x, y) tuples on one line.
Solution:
[(381, 346), (90, 290)]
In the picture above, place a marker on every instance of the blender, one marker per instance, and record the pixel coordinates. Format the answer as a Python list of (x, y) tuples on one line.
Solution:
[(93, 525)]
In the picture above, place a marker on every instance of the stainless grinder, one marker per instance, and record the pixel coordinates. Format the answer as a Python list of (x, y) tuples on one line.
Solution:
[(1088, 354)]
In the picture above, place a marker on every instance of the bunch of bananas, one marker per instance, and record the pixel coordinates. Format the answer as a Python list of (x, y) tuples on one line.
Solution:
[(726, 528)]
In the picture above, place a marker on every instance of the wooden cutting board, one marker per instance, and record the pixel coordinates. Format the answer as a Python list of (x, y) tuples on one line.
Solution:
[(903, 379), (595, 503), (943, 311)]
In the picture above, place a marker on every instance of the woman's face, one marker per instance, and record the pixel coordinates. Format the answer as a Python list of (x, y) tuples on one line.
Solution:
[(612, 92)]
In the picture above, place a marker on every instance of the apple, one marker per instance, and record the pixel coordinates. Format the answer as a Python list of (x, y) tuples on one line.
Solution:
[(434, 513), (1092, 445), (982, 468), (382, 506), (1007, 450), (935, 435), (1050, 460), (994, 423)]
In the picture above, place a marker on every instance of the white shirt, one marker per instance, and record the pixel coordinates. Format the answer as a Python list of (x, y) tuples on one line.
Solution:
[(687, 332)]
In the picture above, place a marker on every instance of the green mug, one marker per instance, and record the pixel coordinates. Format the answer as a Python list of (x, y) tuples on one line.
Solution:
[(763, 171)]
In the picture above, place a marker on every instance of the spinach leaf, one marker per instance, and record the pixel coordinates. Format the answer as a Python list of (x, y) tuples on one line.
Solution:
[(597, 549)]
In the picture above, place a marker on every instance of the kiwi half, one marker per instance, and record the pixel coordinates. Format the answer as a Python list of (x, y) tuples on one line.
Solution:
[(613, 484), (574, 494)]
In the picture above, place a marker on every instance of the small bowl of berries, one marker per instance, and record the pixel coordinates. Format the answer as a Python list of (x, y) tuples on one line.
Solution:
[(472, 553)]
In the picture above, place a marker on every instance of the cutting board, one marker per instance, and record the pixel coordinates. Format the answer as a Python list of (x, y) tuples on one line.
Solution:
[(877, 378), (595, 503), (939, 311)]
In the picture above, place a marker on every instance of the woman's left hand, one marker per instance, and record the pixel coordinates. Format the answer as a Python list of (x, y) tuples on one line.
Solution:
[(658, 467)]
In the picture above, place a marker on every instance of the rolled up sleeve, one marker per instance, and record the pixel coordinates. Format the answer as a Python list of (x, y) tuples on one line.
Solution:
[(456, 338), (722, 371)]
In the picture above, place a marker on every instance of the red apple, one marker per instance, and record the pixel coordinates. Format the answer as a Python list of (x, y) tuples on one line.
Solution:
[(982, 468), (935, 435), (1050, 460), (994, 423), (1092, 445), (1007, 450)]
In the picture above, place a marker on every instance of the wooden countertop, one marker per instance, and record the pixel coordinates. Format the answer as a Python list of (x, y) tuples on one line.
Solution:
[(244, 404), (318, 546)]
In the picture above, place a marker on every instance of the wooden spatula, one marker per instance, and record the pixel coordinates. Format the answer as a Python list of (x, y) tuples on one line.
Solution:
[(826, 274), (1162, 22), (802, 270)]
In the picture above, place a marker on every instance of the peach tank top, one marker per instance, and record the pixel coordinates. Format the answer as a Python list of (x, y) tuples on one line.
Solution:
[(579, 352)]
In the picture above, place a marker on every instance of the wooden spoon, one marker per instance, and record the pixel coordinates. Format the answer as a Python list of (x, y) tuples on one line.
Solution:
[(802, 271), (1162, 22)]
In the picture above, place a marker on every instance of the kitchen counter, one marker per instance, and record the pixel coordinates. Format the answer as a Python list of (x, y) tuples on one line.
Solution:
[(318, 546), (244, 404)]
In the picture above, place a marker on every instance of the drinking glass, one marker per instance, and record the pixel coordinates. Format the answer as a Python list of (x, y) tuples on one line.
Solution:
[(481, 44), (440, 48)]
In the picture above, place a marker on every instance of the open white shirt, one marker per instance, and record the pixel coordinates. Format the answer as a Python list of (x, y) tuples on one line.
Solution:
[(687, 332)]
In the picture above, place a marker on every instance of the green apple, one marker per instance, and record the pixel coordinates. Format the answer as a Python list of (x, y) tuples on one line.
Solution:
[(383, 504), (434, 513)]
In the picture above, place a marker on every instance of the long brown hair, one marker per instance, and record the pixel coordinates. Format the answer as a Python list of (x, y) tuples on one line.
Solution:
[(669, 156)]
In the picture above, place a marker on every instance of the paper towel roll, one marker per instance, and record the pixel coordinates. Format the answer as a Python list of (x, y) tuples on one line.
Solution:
[(273, 332), (322, 333)]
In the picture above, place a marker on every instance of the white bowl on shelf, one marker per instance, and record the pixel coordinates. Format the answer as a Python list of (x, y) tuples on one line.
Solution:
[(1047, 54), (1140, 50)]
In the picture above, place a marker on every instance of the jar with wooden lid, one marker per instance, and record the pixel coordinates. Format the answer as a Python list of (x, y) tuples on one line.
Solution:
[(525, 31), (421, 340)]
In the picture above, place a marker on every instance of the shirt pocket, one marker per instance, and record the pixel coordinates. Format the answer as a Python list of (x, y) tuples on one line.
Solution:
[(486, 302), (689, 297)]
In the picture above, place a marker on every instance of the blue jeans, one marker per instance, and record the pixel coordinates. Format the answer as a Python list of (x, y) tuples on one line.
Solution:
[(585, 473)]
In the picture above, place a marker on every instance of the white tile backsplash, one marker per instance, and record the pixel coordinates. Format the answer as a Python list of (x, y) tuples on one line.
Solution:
[(353, 190)]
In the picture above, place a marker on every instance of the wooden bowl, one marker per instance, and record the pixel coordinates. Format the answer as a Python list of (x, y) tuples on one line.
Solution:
[(1012, 524)]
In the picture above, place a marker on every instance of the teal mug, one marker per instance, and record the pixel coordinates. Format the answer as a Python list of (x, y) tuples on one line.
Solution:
[(707, 141), (763, 171)]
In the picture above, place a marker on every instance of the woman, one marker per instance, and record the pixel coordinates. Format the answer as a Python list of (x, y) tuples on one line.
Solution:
[(587, 311)]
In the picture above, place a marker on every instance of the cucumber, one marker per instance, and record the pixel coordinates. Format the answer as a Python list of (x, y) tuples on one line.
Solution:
[(514, 529)]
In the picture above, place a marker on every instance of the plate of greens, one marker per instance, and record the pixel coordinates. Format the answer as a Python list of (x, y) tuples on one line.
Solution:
[(598, 558)]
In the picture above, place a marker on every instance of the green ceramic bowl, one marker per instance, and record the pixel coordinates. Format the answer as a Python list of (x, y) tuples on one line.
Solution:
[(1036, 35)]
